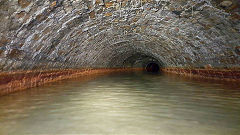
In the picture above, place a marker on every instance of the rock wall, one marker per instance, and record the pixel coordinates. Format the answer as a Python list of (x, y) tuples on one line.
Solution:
[(60, 34)]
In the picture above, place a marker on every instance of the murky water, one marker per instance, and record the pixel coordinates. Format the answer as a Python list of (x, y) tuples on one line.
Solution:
[(124, 103)]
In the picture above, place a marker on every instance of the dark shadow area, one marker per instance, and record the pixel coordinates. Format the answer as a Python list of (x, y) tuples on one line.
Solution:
[(150, 64), (152, 67)]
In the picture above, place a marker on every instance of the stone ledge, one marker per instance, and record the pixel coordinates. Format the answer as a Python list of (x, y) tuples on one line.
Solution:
[(216, 74), (17, 81)]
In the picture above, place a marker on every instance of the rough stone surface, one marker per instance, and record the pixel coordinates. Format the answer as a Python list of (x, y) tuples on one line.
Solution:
[(53, 34)]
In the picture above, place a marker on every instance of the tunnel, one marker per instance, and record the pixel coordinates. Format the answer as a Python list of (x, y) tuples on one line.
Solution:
[(141, 60), (152, 67), (165, 47)]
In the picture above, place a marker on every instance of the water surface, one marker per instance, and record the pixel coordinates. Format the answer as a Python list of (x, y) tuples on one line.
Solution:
[(124, 103)]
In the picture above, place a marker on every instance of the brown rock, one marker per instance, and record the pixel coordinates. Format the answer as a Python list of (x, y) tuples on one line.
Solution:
[(208, 66), (46, 31), (1, 51), (20, 45), (235, 16), (92, 15), (226, 3), (40, 17), (3, 41), (98, 2), (24, 3), (108, 4), (36, 37), (21, 14), (108, 14), (27, 16), (14, 53), (53, 4), (237, 50)]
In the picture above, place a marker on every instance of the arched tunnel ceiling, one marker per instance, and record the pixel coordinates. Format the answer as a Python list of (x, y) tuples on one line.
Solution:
[(45, 34)]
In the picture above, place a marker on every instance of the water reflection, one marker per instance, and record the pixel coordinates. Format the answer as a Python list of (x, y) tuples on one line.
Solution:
[(130, 103)]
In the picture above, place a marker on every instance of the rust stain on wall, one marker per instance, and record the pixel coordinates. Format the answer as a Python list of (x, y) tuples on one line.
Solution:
[(217, 74), (17, 81)]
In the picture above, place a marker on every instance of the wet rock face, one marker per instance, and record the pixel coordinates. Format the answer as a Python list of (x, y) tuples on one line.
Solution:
[(46, 34)]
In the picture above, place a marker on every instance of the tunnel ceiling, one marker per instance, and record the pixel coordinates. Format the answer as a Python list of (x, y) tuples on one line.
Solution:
[(46, 34)]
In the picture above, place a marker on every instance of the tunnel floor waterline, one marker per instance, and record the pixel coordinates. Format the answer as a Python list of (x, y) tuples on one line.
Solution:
[(123, 103)]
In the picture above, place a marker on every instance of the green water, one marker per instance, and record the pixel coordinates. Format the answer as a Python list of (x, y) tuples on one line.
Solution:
[(124, 103)]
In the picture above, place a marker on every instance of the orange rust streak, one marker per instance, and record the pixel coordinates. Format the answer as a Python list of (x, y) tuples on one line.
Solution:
[(17, 81), (217, 74)]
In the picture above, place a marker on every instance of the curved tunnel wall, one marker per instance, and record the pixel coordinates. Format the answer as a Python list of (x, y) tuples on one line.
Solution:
[(49, 34)]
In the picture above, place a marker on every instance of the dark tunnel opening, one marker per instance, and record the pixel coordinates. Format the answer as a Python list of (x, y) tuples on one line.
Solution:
[(147, 63), (152, 67)]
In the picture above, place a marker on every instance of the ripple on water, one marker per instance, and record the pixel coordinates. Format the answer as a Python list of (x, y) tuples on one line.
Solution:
[(134, 103)]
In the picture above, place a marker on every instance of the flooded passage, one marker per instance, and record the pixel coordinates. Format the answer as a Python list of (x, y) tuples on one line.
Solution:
[(124, 103)]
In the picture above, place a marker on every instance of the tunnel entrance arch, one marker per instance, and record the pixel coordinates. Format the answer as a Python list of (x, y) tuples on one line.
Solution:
[(146, 62)]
